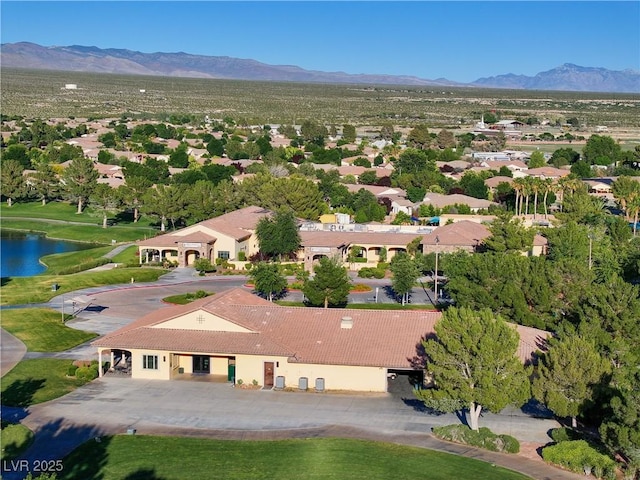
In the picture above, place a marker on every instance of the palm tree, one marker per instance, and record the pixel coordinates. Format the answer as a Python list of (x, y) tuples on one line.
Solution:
[(568, 184), (535, 185), (527, 190), (547, 187), (518, 186), (633, 207), (623, 189)]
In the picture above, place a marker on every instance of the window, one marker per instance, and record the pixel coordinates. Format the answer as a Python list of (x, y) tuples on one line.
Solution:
[(224, 254), (150, 362)]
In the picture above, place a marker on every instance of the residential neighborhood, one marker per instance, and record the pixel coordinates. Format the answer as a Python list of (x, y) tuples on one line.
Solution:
[(346, 262)]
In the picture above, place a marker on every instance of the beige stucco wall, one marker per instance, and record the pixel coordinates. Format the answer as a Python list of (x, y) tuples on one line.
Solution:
[(219, 365), (164, 365), (251, 367), (336, 377), (201, 320)]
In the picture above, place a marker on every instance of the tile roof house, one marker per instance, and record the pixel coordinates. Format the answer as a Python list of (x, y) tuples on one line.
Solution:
[(468, 236), (547, 172), (439, 200), (220, 237), (236, 336)]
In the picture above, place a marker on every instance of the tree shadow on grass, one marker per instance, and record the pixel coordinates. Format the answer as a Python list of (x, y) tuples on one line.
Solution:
[(144, 474), (20, 393), (54, 451)]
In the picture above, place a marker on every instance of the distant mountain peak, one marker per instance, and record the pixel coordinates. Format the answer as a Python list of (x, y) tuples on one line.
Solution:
[(567, 76)]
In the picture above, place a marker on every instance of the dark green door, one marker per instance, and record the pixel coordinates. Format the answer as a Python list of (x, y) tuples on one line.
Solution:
[(231, 373), (201, 364)]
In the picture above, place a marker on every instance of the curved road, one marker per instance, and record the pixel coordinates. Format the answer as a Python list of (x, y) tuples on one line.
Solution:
[(112, 405)]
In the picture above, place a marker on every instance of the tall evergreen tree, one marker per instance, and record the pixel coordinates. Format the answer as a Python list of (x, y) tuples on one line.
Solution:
[(12, 185), (80, 178), (268, 280), (330, 284), (473, 361), (567, 375)]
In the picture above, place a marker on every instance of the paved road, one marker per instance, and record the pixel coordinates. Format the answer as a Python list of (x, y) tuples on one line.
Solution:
[(113, 405), (12, 351)]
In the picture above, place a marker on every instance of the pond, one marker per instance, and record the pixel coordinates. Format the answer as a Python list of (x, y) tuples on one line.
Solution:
[(20, 252)]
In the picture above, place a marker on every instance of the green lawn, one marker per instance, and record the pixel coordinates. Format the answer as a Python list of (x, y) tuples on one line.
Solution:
[(42, 330), (80, 233), (58, 262), (128, 256), (168, 458), (37, 380), (24, 290), (14, 439), (64, 211)]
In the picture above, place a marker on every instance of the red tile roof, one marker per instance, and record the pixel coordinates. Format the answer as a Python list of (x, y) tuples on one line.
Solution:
[(306, 335)]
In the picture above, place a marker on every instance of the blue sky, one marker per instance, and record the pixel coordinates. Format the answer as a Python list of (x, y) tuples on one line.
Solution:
[(457, 40)]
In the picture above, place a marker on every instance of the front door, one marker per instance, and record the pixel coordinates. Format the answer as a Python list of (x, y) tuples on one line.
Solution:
[(201, 364), (268, 374)]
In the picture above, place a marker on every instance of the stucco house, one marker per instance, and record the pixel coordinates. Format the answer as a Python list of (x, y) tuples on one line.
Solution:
[(439, 200), (220, 237), (236, 335), (469, 236)]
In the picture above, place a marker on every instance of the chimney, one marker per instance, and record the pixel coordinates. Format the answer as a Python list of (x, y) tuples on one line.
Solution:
[(346, 322)]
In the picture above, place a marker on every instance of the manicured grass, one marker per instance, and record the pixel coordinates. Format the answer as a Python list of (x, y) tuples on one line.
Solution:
[(185, 298), (80, 233), (37, 380), (52, 210), (127, 256), (167, 458), (59, 262), (64, 211), (42, 330), (15, 439), (24, 290)]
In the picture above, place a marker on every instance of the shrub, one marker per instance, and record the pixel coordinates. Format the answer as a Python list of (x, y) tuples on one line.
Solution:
[(484, 438), (564, 434), (71, 371), (577, 456), (371, 272), (239, 381), (511, 445), (255, 382), (203, 265), (360, 287), (87, 373), (242, 256)]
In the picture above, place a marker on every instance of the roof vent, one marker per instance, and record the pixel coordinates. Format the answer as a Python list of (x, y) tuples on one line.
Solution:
[(346, 322)]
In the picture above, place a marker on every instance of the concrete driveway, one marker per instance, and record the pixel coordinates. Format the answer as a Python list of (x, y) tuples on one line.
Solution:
[(115, 405)]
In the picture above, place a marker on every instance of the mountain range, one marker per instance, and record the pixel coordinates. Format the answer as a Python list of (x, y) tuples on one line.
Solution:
[(567, 77)]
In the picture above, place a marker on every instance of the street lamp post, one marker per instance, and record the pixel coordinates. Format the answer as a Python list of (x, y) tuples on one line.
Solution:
[(435, 278)]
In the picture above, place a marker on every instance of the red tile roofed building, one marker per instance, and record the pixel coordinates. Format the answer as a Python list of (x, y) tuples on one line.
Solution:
[(220, 237), (238, 335), (468, 236)]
